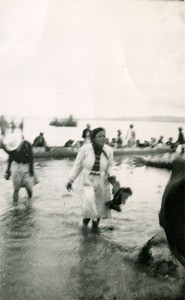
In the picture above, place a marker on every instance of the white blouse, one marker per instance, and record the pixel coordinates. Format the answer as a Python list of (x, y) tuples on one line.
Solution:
[(85, 160)]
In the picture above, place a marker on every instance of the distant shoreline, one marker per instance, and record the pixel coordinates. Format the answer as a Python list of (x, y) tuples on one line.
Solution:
[(166, 119), (144, 119)]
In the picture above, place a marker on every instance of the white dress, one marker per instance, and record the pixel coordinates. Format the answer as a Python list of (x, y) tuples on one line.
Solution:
[(95, 189)]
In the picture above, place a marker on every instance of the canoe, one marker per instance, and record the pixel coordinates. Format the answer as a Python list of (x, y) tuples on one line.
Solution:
[(71, 152)]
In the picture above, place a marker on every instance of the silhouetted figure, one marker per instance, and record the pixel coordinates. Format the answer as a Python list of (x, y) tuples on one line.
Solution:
[(170, 143), (180, 140), (39, 141), (112, 143), (119, 139), (69, 143), (86, 134), (130, 138), (153, 142), (139, 144), (160, 141)]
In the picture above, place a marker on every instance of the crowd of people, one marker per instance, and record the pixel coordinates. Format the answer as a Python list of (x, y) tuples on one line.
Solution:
[(130, 140), (97, 174), (153, 142), (120, 141), (100, 191)]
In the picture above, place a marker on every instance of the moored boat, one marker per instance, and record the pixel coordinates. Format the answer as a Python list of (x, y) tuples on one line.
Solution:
[(70, 152), (69, 122)]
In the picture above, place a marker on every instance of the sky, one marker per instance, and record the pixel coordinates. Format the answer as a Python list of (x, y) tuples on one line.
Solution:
[(92, 58)]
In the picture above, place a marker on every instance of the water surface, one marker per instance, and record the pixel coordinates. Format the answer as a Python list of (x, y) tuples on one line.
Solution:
[(44, 253)]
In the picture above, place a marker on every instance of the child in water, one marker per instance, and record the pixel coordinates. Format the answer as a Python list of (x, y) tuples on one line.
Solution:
[(121, 194)]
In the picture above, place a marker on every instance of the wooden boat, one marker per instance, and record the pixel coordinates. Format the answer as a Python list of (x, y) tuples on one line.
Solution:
[(70, 152)]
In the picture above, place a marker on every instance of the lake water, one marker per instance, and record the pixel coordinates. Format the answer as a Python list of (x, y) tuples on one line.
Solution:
[(57, 136), (44, 253)]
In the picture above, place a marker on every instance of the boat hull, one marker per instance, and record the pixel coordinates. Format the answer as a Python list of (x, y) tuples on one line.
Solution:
[(71, 152)]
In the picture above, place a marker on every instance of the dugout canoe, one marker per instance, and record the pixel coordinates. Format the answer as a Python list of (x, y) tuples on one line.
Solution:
[(71, 152)]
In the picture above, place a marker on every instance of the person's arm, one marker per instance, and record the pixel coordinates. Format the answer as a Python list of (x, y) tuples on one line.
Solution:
[(31, 164), (140, 162), (110, 172), (77, 167), (30, 155), (10, 159), (110, 158), (83, 134), (8, 172)]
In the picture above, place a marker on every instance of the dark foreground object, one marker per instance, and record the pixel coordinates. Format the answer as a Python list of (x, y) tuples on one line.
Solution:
[(174, 211)]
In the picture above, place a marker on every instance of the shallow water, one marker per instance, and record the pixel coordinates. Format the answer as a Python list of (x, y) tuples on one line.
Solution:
[(44, 253)]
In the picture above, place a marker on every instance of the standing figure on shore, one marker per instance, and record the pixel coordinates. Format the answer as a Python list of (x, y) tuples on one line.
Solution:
[(130, 139), (180, 141), (86, 134), (160, 141), (172, 212), (119, 139), (94, 163), (20, 160)]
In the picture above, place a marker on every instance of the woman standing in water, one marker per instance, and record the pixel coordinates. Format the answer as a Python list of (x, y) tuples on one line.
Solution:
[(94, 163)]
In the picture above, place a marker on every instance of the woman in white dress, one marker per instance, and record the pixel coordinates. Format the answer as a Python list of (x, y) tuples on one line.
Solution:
[(94, 164)]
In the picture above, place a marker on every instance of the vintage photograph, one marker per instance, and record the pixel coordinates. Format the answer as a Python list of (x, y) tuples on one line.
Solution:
[(92, 150)]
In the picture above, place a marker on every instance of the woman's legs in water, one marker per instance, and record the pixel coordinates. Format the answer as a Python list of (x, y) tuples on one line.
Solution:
[(29, 193), (95, 223), (16, 195), (86, 222), (29, 183)]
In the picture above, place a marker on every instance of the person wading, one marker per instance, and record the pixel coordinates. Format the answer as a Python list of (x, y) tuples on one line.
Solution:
[(94, 163), (20, 160)]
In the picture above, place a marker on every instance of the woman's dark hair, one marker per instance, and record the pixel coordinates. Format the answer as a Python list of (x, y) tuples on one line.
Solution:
[(95, 131)]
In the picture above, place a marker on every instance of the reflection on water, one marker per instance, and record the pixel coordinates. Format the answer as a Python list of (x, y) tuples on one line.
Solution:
[(44, 254), (92, 268), (18, 230)]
